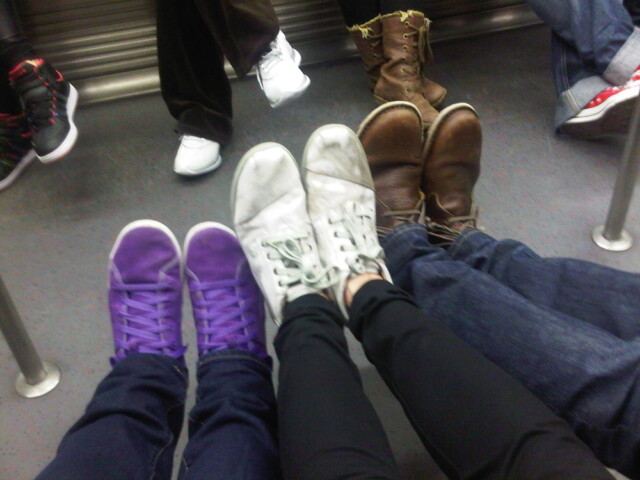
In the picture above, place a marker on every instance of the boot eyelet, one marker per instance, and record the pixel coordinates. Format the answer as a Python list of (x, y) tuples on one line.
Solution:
[(403, 70), (406, 24), (405, 36), (405, 48)]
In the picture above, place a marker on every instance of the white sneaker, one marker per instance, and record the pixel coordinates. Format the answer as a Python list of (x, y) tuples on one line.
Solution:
[(341, 205), (270, 216), (279, 75), (196, 156)]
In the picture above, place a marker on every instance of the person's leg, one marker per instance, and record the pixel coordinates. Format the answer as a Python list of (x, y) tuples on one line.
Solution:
[(503, 432), (130, 427), (132, 424), (594, 47), (357, 12), (586, 375), (233, 425), (599, 295), (243, 29), (196, 89), (475, 419), (328, 428)]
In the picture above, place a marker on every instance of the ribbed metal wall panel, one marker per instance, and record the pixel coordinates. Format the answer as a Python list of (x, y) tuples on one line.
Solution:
[(107, 47)]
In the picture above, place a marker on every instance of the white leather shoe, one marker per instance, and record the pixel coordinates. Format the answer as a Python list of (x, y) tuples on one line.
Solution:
[(196, 156), (270, 216), (341, 206), (279, 75)]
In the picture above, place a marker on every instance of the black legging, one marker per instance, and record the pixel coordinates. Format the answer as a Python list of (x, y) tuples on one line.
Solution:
[(14, 48), (475, 420), (357, 12)]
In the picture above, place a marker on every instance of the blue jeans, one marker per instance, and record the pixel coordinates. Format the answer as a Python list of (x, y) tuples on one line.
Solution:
[(568, 330), (594, 46), (131, 426)]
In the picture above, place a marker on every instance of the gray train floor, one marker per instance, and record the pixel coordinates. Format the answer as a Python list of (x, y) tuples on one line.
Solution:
[(59, 221)]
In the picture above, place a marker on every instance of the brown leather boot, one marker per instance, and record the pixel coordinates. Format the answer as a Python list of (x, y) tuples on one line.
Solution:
[(392, 139), (451, 168), (403, 43), (368, 40)]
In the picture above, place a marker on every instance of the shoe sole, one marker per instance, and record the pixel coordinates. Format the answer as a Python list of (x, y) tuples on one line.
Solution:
[(194, 173), (437, 123), (17, 171), (286, 100), (69, 142), (145, 223), (199, 228), (612, 120), (382, 108)]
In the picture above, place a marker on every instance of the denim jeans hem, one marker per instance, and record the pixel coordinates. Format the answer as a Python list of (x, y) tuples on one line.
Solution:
[(234, 354), (467, 237), (626, 60), (391, 237), (573, 100)]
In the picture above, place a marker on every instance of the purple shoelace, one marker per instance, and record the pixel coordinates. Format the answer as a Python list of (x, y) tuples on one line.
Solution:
[(224, 318), (145, 325)]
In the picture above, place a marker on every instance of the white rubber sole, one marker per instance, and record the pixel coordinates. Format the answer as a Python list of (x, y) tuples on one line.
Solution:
[(612, 117), (16, 172), (69, 142), (194, 173), (287, 99)]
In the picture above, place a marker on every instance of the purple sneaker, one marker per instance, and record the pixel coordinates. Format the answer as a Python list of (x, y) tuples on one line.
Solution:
[(227, 304), (145, 291)]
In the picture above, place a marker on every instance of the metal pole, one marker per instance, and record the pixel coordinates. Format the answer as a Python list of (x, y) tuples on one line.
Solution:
[(37, 377), (612, 236)]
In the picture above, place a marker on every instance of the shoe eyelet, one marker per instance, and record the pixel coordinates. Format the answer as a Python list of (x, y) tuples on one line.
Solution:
[(403, 70), (342, 249), (406, 24), (405, 36), (405, 48)]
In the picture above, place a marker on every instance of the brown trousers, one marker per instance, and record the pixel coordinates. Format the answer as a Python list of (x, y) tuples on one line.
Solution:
[(194, 36)]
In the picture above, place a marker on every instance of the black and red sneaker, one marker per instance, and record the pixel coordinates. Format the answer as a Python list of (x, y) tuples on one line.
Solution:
[(16, 152), (49, 103)]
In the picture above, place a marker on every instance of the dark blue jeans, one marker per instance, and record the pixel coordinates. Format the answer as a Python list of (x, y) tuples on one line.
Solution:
[(131, 426), (569, 330)]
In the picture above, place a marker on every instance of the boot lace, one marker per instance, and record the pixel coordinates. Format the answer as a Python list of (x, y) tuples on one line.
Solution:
[(422, 54), (402, 217)]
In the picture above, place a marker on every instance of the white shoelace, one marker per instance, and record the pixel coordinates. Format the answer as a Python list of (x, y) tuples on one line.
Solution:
[(358, 241), (295, 264)]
